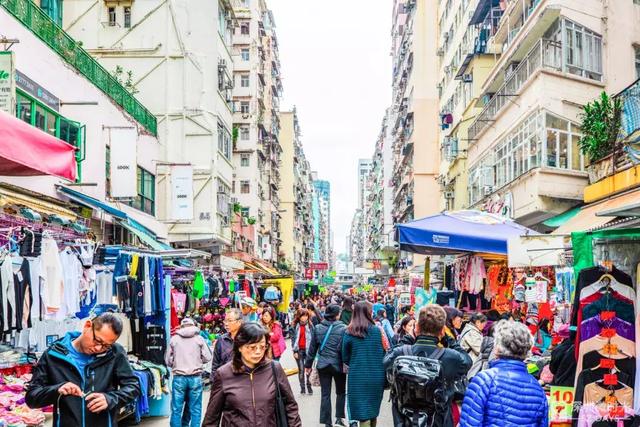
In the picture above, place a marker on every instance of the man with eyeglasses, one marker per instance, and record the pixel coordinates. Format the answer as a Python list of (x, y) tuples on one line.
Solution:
[(222, 350), (85, 375)]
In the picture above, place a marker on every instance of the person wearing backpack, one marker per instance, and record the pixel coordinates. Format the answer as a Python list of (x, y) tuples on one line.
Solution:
[(326, 344), (506, 394), (451, 363), (471, 341)]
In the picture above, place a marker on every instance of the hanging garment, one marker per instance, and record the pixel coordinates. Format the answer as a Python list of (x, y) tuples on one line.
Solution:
[(531, 292), (22, 284), (148, 309), (104, 287), (198, 285), (593, 326), (52, 276), (476, 274), (597, 343), (8, 295), (37, 308), (72, 273)]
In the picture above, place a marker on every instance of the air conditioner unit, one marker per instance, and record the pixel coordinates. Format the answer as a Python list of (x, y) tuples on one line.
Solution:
[(487, 190), (467, 78), (449, 195)]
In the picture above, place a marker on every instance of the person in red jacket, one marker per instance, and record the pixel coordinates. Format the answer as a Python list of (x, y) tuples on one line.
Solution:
[(276, 337)]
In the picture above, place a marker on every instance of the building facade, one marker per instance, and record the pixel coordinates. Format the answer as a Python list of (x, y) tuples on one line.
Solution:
[(177, 57), (554, 57), (323, 240), (296, 198), (256, 121), (71, 97)]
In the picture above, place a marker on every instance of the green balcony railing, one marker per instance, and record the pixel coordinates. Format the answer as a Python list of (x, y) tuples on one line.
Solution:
[(36, 20)]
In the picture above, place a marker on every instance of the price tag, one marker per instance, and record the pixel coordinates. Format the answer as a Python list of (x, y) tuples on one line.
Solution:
[(561, 403), (607, 363), (607, 315), (608, 332), (610, 349), (611, 400), (610, 379), (617, 412)]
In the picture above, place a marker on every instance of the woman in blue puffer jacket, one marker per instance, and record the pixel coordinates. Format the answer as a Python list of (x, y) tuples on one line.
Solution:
[(506, 395)]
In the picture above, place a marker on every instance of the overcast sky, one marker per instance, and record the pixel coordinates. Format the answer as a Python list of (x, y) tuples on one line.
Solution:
[(337, 71)]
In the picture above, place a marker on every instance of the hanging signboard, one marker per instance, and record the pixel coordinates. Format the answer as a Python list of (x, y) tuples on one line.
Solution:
[(319, 266), (124, 163), (38, 92), (181, 192), (7, 82)]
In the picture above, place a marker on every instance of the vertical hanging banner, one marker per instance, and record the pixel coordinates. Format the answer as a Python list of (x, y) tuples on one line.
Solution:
[(124, 163), (181, 192), (7, 82)]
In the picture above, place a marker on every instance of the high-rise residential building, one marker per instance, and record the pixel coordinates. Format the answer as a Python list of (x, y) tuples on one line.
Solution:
[(356, 240), (364, 167), (553, 58), (256, 121), (176, 57), (323, 241), (296, 198)]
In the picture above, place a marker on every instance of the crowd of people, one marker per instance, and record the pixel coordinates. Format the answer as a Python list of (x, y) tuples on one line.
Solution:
[(440, 371)]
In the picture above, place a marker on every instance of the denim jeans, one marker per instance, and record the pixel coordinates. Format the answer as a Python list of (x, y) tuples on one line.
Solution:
[(302, 356), (186, 387), (327, 375)]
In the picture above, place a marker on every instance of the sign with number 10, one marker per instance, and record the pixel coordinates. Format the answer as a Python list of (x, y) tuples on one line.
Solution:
[(561, 403)]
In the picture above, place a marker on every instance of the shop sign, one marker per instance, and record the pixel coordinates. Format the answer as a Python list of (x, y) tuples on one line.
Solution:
[(561, 403), (37, 91), (319, 266), (181, 192), (7, 83), (124, 163), (500, 205), (328, 280), (308, 273)]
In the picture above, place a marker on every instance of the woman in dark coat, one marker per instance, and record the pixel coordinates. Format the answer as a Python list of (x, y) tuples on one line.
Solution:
[(362, 352), (244, 390)]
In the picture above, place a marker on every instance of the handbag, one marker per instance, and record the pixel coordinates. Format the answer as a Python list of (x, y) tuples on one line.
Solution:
[(281, 411), (314, 378)]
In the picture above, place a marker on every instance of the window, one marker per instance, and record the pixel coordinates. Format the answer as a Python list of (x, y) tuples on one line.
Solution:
[(127, 16), (146, 192), (224, 202), (244, 133), (107, 173), (244, 107), (53, 8), (112, 16), (582, 51), (637, 61), (45, 121), (244, 160), (224, 29), (23, 108), (69, 131), (224, 141), (244, 80), (244, 28), (244, 54), (245, 187)]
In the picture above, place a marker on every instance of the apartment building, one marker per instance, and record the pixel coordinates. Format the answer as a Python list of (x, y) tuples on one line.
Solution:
[(323, 241), (61, 90), (357, 254), (256, 121), (296, 198), (177, 57), (415, 107), (554, 56), (464, 67)]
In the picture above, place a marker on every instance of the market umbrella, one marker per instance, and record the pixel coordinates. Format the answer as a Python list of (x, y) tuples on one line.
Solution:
[(458, 232)]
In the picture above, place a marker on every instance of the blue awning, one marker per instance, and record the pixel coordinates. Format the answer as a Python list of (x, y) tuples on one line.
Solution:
[(91, 202), (459, 232), (145, 235)]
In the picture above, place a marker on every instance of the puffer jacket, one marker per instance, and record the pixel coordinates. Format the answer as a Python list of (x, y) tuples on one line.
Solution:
[(331, 354), (248, 397), (187, 352), (505, 395)]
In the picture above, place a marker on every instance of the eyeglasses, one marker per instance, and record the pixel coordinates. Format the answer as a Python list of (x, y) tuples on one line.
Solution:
[(226, 320), (256, 348), (97, 342)]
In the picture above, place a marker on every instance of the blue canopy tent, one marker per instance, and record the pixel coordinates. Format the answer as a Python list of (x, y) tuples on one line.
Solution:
[(458, 232)]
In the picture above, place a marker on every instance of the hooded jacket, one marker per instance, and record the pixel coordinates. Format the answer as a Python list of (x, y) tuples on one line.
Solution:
[(248, 397), (471, 341), (331, 355), (505, 395), (187, 352), (222, 352), (109, 373)]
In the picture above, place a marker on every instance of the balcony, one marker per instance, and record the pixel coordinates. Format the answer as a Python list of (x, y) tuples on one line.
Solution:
[(516, 15), (545, 54)]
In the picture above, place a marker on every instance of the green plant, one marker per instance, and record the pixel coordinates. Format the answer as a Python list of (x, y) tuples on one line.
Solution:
[(237, 207), (600, 122), (251, 221), (128, 84), (234, 134)]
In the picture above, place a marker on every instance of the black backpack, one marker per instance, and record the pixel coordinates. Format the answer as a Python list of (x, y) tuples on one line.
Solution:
[(418, 389)]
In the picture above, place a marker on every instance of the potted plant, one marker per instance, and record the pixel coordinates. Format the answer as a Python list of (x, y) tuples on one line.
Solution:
[(237, 208), (251, 221), (600, 123)]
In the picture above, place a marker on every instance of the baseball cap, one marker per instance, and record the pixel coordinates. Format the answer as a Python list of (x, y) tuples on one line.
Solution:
[(188, 321), (250, 302)]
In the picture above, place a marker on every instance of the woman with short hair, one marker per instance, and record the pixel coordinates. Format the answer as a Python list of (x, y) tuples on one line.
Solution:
[(244, 390), (506, 395)]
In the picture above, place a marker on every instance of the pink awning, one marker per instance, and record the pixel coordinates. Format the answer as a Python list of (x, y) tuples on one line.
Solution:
[(28, 151)]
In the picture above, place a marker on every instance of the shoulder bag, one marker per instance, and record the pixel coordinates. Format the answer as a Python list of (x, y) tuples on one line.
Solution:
[(314, 378), (281, 410)]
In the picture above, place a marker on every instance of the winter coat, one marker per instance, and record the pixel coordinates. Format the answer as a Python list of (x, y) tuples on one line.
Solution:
[(366, 375), (454, 362), (405, 339), (505, 395), (471, 341), (222, 352), (276, 339), (248, 398), (109, 373), (331, 355), (308, 333), (187, 352), (486, 351), (345, 317), (563, 364)]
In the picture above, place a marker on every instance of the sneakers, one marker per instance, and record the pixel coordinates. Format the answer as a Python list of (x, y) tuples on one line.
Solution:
[(309, 390), (303, 390), (339, 423)]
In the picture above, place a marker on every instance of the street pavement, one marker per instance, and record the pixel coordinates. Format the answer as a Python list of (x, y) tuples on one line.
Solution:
[(309, 406)]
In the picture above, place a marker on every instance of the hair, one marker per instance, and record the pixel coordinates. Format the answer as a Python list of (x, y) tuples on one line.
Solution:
[(109, 319), (478, 317), (404, 322), (381, 314), (513, 340), (272, 312), (311, 307), (405, 310), (452, 313), (431, 319), (347, 303), (299, 314), (236, 312), (332, 317), (506, 316), (249, 333), (361, 319)]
